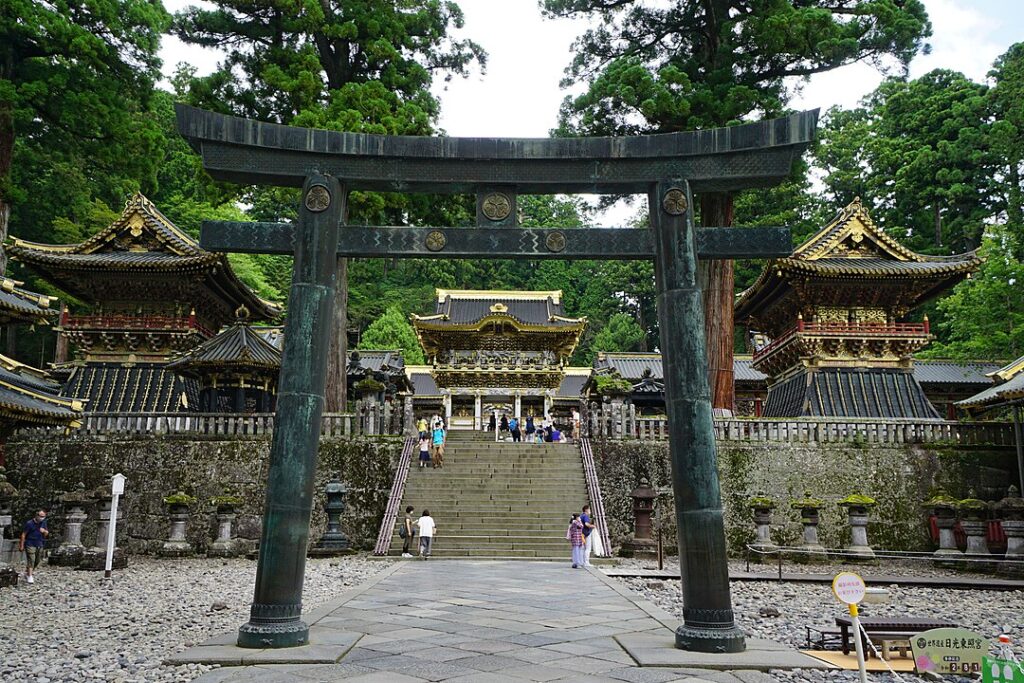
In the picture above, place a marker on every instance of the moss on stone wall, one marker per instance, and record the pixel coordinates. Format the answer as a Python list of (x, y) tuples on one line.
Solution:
[(42, 469), (898, 477)]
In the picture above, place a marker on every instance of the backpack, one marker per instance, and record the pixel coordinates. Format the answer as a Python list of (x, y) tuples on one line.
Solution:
[(513, 424), (402, 533)]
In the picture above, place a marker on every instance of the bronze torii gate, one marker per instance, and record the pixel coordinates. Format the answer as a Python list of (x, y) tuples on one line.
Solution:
[(328, 165)]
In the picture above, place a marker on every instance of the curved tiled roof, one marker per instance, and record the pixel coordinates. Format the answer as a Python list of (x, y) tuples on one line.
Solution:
[(27, 395), (852, 246), (237, 347), (468, 308), (141, 240), (17, 304), (1011, 388)]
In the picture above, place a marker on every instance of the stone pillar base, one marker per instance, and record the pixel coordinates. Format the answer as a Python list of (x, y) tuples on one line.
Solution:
[(638, 547), (95, 559), (67, 556), (859, 553), (8, 576), (232, 548), (812, 554), (948, 558), (175, 549), (330, 552)]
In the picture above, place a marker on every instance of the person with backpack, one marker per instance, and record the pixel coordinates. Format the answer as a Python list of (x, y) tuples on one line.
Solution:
[(574, 534), (406, 531), (513, 427)]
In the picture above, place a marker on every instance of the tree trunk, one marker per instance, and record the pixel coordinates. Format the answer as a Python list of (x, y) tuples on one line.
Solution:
[(337, 361), (1014, 208), (716, 281), (6, 159), (938, 224)]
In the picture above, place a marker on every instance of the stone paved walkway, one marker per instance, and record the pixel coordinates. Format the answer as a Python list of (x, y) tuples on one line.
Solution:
[(483, 622)]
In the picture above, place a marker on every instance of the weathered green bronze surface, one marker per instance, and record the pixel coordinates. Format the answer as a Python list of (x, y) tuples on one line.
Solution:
[(665, 167), (708, 623), (719, 159), (275, 616), (526, 243)]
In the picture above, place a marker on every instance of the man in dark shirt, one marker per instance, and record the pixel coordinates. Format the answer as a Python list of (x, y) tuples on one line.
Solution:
[(588, 540), (33, 538)]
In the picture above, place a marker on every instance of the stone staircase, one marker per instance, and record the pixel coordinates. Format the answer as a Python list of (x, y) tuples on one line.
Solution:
[(497, 500)]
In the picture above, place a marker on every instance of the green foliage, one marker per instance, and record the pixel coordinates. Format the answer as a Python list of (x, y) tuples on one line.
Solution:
[(684, 64), (808, 501), (226, 501), (920, 152), (180, 498), (609, 385), (857, 500), (760, 502), (368, 385), (941, 499), (393, 331), (620, 334), (1007, 104), (983, 318)]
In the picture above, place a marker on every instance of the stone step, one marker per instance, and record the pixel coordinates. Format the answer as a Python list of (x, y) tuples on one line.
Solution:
[(495, 510), (550, 543), (440, 551)]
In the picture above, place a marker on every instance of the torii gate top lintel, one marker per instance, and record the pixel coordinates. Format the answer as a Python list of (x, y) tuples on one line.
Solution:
[(717, 159)]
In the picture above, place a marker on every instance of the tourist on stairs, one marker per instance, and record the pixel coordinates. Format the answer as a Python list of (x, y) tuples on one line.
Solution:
[(530, 428), (513, 427), (424, 449), (504, 425), (438, 441)]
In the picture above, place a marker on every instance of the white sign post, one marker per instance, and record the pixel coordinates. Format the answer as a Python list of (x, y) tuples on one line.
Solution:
[(116, 489), (850, 589)]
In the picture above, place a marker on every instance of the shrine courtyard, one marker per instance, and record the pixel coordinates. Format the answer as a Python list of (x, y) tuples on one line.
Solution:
[(384, 620)]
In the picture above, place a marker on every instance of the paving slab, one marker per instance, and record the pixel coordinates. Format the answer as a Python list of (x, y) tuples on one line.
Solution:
[(658, 650), (486, 620)]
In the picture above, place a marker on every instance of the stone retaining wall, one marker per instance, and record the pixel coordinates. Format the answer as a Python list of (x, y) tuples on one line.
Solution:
[(42, 468), (898, 477)]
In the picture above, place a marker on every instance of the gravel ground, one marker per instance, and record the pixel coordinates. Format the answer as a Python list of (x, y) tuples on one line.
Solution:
[(800, 605), (67, 627), (921, 567)]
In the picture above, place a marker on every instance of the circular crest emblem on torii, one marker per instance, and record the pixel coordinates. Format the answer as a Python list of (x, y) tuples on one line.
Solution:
[(674, 202), (496, 206), (436, 240), (318, 198), (555, 241)]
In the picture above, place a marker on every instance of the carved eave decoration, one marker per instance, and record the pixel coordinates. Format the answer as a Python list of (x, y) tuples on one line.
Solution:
[(20, 305), (436, 334), (141, 241), (29, 396)]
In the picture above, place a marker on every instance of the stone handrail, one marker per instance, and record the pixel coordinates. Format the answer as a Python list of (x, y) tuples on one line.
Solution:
[(372, 419), (621, 422), (594, 493), (387, 525)]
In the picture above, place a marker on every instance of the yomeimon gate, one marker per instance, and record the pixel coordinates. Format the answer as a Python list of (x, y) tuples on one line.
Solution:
[(327, 165)]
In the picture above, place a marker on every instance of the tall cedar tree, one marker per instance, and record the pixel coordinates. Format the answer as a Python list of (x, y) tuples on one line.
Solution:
[(921, 152), (689, 64), (358, 65), (1008, 139), (74, 77)]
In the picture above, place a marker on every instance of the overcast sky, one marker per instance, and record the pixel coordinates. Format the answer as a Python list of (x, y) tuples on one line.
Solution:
[(519, 95)]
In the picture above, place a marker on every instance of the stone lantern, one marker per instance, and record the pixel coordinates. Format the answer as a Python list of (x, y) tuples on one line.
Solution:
[(8, 574), (334, 541), (94, 557), (858, 507), (225, 545), (70, 551), (176, 544), (810, 517), (761, 508), (1011, 511), (974, 521), (945, 508), (643, 509)]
